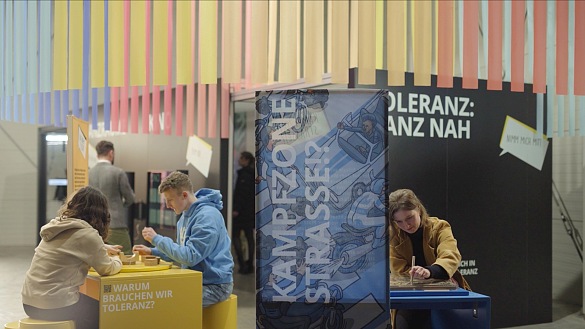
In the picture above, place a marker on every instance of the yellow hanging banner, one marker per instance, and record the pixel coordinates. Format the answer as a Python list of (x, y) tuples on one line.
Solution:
[(287, 55), (184, 55), (314, 29), (97, 42), (232, 40), (396, 41), (339, 41), (159, 43), (75, 44), (366, 43), (60, 46), (138, 43), (115, 43), (208, 42)]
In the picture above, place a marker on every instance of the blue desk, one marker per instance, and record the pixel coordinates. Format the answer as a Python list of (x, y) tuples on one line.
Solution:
[(457, 309)]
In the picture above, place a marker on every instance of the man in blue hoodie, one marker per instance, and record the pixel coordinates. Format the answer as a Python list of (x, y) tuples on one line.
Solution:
[(202, 244)]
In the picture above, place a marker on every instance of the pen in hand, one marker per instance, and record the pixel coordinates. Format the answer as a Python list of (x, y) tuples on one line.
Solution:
[(412, 271)]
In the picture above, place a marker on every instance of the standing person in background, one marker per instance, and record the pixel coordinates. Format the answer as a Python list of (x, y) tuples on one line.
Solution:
[(430, 239), (71, 243), (113, 182), (244, 212), (202, 243)]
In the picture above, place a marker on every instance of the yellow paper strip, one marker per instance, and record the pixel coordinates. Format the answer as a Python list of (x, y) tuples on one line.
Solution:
[(272, 29), (75, 44), (329, 36), (287, 55), (232, 40), (184, 57), (208, 41), (380, 34), (353, 33), (367, 43), (339, 41), (97, 48), (396, 42), (60, 46), (259, 42), (159, 43), (138, 43), (314, 29), (422, 42), (115, 43)]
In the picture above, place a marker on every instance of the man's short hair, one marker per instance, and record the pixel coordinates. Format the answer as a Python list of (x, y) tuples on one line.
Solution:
[(104, 147), (176, 181)]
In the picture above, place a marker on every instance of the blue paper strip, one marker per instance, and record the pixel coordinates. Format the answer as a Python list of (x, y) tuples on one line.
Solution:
[(539, 113), (45, 54), (23, 106), (57, 94), (8, 104), (94, 108), (75, 105), (86, 44), (65, 110), (47, 108)]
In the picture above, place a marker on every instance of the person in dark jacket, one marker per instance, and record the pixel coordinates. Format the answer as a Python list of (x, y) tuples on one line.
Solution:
[(244, 212)]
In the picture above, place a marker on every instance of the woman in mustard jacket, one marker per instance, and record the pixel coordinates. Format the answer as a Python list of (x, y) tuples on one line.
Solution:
[(430, 240)]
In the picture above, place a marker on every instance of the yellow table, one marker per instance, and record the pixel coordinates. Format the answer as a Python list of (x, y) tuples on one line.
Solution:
[(155, 299)]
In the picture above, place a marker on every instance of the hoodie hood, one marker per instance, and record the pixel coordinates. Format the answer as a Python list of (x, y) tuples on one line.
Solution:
[(59, 225), (209, 197)]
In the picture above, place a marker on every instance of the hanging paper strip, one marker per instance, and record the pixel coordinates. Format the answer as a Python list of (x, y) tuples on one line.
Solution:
[(94, 108), (483, 27), (540, 113), (183, 43), (225, 110), (367, 43), (57, 98), (287, 52), (47, 107), (470, 43), (155, 109), (168, 118), (313, 48), (179, 110), (115, 101), (19, 48), (116, 44), (259, 44), (379, 34), (138, 39), (571, 76), (2, 28), (75, 57), (340, 40), (458, 71), (445, 44), (85, 73), (60, 47), (353, 33), (159, 43), (107, 98), (562, 40), (422, 42), (134, 110), (97, 39), (126, 85), (506, 37), (396, 42), (272, 36), (248, 46), (579, 65), (146, 87), (75, 102), (212, 111), (495, 46), (33, 55), (517, 46), (201, 110), (540, 35), (190, 111), (8, 64), (208, 41), (232, 40)]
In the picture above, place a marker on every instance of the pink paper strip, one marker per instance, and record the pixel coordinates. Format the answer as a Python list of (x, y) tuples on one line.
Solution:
[(115, 108), (169, 86), (495, 45), (201, 110), (445, 45), (179, 110), (470, 43), (146, 88), (190, 110), (134, 107), (212, 111), (517, 46), (225, 110), (155, 109), (539, 65), (124, 90)]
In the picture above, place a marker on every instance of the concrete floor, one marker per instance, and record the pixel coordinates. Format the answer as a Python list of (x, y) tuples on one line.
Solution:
[(14, 262)]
